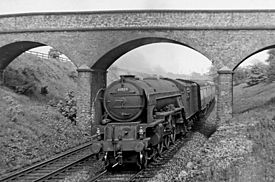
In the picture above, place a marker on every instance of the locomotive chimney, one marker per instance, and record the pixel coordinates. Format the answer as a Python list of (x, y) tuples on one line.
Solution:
[(127, 76), (124, 77)]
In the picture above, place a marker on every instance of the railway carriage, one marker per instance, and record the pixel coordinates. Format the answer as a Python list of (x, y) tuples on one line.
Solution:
[(142, 117)]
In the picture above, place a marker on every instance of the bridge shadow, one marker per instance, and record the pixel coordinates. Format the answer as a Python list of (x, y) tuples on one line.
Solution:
[(207, 124)]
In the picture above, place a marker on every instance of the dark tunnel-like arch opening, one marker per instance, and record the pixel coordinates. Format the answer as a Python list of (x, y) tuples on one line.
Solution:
[(110, 57), (10, 51)]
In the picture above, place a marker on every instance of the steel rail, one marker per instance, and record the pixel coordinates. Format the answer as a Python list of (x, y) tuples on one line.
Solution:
[(98, 176), (61, 169), (70, 153), (153, 166)]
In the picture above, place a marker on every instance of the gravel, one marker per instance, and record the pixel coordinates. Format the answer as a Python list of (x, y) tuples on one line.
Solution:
[(209, 159), (183, 165), (89, 170)]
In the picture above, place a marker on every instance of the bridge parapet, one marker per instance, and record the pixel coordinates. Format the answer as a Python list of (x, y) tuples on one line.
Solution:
[(142, 19)]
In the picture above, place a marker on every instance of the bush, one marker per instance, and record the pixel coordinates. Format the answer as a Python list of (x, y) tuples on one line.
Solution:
[(14, 109), (68, 107), (257, 75)]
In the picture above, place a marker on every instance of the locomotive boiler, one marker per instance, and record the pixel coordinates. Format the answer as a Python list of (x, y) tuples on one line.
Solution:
[(143, 116)]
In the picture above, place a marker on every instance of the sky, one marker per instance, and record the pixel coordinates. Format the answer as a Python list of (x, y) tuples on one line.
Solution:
[(185, 60), (22, 6), (160, 57)]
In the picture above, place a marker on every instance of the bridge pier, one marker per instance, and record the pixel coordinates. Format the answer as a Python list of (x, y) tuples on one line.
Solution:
[(2, 81), (83, 116), (98, 83), (225, 95), (88, 100)]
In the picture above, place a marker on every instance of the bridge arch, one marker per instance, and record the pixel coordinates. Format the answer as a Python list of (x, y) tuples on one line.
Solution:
[(253, 53), (267, 47), (104, 62), (10, 51), (223, 36), (98, 69)]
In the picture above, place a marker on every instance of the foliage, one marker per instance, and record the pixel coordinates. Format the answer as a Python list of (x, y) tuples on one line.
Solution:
[(271, 68), (31, 132), (213, 71), (240, 150), (24, 89), (68, 107), (257, 74), (251, 75), (240, 75), (44, 90), (15, 111)]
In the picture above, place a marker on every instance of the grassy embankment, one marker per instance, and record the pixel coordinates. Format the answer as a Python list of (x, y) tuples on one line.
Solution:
[(31, 130), (255, 106), (244, 148), (241, 150)]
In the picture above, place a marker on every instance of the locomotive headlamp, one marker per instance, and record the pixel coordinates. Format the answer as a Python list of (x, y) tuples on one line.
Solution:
[(105, 121), (141, 133), (139, 147), (96, 147), (98, 134)]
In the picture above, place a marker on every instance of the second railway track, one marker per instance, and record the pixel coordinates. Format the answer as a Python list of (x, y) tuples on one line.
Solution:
[(51, 170)]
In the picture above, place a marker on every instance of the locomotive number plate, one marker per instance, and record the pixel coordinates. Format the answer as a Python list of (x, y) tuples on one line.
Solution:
[(123, 89)]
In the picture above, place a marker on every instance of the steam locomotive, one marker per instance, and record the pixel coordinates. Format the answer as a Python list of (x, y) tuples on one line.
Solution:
[(142, 117)]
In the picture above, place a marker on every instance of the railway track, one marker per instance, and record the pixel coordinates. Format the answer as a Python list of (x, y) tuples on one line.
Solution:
[(123, 175), (58, 167), (52, 169)]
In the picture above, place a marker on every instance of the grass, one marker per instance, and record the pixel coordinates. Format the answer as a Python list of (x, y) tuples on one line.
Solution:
[(31, 130), (248, 98), (259, 165), (244, 149)]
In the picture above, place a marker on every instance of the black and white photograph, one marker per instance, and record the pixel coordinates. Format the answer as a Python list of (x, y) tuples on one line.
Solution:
[(137, 91)]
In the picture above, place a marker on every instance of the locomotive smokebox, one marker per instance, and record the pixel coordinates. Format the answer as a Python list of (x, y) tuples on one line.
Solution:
[(124, 100)]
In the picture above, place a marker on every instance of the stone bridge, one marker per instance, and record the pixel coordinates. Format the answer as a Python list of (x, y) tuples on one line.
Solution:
[(95, 40)]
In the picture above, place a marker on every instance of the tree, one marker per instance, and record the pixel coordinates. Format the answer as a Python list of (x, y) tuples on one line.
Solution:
[(195, 75), (271, 66), (68, 107), (213, 71), (240, 75), (257, 74)]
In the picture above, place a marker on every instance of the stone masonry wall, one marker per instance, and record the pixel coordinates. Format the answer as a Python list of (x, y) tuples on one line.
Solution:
[(225, 95), (83, 98), (88, 38), (211, 19), (98, 84)]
